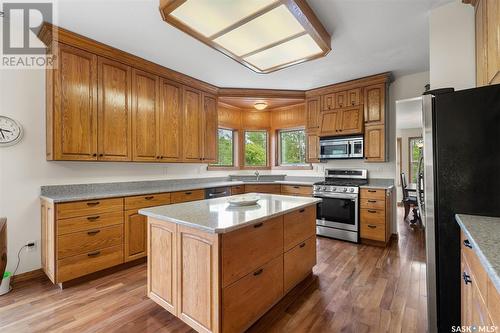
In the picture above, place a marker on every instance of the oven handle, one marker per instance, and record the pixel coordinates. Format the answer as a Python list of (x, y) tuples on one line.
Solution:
[(353, 197)]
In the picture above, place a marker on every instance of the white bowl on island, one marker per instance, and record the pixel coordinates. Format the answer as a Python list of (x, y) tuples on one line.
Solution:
[(244, 200)]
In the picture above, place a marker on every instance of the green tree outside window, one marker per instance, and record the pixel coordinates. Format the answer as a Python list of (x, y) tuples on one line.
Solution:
[(256, 148), (292, 147)]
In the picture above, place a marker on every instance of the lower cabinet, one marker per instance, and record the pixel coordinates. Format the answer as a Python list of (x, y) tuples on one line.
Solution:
[(135, 235), (237, 189), (376, 215), (226, 282), (185, 196), (263, 188)]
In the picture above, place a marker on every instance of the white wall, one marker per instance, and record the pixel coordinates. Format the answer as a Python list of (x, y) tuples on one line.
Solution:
[(452, 46)]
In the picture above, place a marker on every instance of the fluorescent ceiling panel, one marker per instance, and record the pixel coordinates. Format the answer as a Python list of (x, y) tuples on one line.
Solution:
[(271, 27), (209, 17), (291, 51)]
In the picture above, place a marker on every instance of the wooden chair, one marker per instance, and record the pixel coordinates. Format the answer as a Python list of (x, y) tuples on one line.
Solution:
[(408, 201)]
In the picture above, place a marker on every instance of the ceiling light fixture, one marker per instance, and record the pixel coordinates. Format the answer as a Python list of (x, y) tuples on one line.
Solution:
[(260, 105), (263, 35)]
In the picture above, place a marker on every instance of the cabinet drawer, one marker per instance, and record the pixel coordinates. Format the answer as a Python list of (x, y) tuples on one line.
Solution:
[(372, 193), (298, 226), (88, 241), (298, 262), (245, 249), (80, 265), (249, 298), (373, 231), (239, 189), (263, 188), (373, 216), (479, 274), (83, 223), (89, 207), (372, 203), (185, 196), (296, 190), (143, 201)]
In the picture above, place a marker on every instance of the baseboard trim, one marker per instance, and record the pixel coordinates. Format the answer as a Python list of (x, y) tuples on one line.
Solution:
[(27, 276)]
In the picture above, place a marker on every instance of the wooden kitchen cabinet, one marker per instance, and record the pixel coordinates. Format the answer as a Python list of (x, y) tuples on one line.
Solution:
[(192, 125), (210, 128), (374, 104), (329, 123), (313, 109), (170, 122), (145, 116), (114, 120), (263, 188), (375, 143), (298, 190), (185, 196), (71, 115), (376, 215), (313, 148), (341, 99), (354, 97), (347, 121), (328, 102)]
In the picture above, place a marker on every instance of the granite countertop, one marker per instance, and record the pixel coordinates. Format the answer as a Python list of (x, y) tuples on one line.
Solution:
[(384, 183), (77, 192), (483, 233), (215, 215)]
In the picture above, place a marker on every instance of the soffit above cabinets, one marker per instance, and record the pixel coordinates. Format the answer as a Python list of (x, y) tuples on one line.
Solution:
[(263, 35)]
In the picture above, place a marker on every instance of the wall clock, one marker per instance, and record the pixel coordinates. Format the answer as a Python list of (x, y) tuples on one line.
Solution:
[(11, 131)]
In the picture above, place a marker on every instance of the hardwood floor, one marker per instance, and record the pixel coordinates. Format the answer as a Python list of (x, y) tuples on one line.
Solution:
[(359, 289)]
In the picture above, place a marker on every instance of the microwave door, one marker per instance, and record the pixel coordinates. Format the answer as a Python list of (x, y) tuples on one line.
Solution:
[(356, 149), (334, 149)]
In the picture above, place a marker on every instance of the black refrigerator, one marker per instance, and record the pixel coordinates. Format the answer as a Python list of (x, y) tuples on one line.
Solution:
[(461, 132)]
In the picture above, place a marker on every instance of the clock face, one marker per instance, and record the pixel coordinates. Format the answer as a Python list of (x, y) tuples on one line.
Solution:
[(10, 131)]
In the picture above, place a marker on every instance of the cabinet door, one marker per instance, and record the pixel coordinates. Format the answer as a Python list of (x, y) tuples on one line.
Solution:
[(145, 105), (135, 235), (192, 125), (170, 121), (375, 143), (493, 40), (328, 102), (466, 295), (351, 121), (312, 147), (330, 123), (354, 97), (162, 264), (114, 114), (210, 128), (374, 102), (313, 110), (341, 99), (75, 110), (481, 44)]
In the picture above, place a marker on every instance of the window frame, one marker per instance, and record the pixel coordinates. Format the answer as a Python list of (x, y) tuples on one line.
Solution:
[(279, 161), (235, 165), (410, 158), (244, 166)]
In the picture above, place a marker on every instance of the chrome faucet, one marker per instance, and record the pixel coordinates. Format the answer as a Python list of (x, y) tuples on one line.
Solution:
[(257, 174)]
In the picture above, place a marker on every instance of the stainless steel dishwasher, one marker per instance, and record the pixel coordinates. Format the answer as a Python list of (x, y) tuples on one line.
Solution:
[(217, 192)]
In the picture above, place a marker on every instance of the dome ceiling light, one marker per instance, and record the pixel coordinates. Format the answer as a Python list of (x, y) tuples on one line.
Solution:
[(263, 35), (260, 105)]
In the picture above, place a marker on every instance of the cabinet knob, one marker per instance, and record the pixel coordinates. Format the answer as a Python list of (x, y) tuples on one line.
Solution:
[(94, 203), (149, 198), (94, 155), (466, 278), (258, 272), (467, 244), (302, 245), (101, 155), (258, 225), (302, 210)]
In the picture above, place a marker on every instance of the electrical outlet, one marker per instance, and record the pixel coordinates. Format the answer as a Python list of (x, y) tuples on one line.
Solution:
[(30, 246)]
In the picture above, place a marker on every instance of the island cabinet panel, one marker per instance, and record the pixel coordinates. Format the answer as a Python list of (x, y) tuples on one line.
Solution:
[(298, 226), (145, 114), (72, 122), (192, 125), (250, 297), (170, 122), (198, 279), (162, 264), (114, 125), (244, 249), (263, 188), (210, 128), (298, 262), (185, 196)]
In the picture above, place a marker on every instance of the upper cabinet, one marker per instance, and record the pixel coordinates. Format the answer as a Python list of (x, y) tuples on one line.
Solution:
[(170, 122), (487, 42), (313, 108), (341, 122), (114, 124), (210, 122), (192, 129), (72, 106), (375, 104)]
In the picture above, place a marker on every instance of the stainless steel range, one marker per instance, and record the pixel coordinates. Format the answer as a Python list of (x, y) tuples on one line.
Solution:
[(338, 213)]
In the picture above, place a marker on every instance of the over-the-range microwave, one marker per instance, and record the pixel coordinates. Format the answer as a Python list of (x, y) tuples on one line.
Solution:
[(341, 148)]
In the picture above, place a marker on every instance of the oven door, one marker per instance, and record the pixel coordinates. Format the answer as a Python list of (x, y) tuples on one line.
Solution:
[(338, 211), (334, 149)]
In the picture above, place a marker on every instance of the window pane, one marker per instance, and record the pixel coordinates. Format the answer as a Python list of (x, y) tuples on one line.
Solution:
[(225, 147), (293, 147), (415, 146), (256, 148)]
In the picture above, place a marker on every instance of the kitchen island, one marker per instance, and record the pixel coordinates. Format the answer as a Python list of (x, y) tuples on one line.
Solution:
[(220, 268)]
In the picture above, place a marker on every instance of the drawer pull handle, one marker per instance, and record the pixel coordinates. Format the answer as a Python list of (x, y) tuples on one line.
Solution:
[(371, 211), (94, 254), (258, 225), (259, 272), (297, 187), (149, 198), (302, 210), (467, 244), (93, 218), (93, 232), (302, 245), (372, 201), (91, 204), (372, 191), (466, 278), (188, 193), (372, 226)]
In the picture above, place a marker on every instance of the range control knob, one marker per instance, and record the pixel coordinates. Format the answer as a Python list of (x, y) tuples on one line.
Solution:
[(334, 189), (351, 190), (344, 189)]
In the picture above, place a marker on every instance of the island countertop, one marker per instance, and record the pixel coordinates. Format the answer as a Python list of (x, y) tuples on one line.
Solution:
[(216, 216)]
